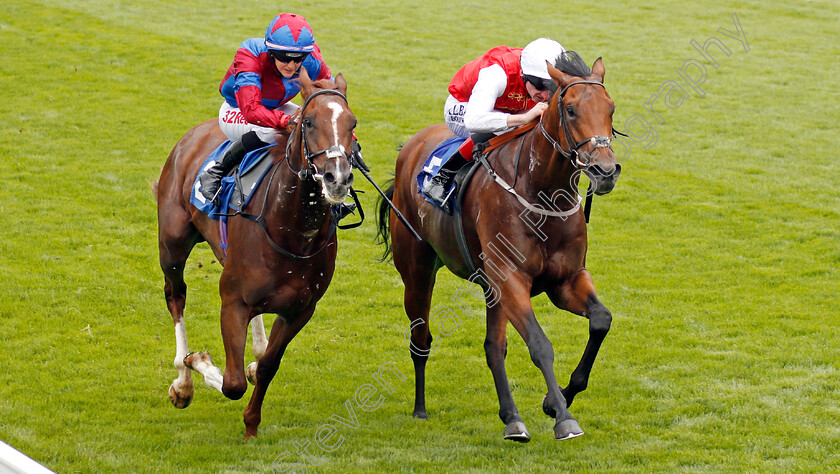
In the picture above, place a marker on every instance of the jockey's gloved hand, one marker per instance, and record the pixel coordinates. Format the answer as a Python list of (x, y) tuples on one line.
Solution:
[(293, 119), (356, 158)]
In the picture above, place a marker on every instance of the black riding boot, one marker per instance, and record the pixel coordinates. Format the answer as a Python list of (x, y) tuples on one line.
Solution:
[(211, 179), (438, 187)]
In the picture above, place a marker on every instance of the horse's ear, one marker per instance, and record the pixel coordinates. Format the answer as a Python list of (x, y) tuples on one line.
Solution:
[(305, 83), (341, 83), (598, 69), (561, 77)]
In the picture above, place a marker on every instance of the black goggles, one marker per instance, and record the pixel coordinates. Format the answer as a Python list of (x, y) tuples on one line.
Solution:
[(539, 83), (287, 56)]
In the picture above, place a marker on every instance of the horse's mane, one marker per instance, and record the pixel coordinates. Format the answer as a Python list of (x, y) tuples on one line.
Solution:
[(572, 64)]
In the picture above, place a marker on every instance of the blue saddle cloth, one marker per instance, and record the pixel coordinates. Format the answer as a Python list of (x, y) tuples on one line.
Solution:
[(251, 171), (435, 161)]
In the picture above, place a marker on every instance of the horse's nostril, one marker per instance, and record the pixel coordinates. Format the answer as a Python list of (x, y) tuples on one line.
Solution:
[(329, 177), (350, 180)]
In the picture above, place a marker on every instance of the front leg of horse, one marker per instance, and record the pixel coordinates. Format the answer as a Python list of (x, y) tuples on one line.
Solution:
[(282, 332), (495, 348), (578, 296), (542, 354), (234, 331), (234, 323)]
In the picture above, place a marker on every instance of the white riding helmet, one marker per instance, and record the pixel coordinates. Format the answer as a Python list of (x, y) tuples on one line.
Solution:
[(536, 54)]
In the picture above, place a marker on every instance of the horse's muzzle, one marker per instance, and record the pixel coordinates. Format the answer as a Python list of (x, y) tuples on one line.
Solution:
[(603, 178), (337, 179)]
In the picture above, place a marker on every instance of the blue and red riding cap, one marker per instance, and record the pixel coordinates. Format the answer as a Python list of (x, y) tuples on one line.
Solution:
[(290, 32)]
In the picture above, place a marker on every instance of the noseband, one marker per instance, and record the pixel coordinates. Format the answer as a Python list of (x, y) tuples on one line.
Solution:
[(597, 141), (334, 151)]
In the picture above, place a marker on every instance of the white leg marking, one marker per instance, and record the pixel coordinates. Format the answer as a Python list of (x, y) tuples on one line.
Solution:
[(203, 364), (181, 351), (181, 391), (258, 333)]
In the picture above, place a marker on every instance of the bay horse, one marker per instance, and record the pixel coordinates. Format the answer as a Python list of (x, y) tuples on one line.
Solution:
[(280, 261), (517, 256)]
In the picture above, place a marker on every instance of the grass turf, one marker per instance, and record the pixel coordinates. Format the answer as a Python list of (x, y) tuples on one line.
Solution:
[(717, 253)]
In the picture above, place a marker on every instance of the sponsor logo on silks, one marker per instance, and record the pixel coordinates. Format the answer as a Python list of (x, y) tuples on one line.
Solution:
[(234, 116), (517, 96)]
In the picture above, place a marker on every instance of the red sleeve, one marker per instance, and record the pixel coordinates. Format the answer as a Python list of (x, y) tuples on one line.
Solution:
[(249, 99)]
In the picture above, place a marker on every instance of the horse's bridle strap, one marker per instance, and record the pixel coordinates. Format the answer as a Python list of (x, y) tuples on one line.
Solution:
[(312, 170), (598, 141)]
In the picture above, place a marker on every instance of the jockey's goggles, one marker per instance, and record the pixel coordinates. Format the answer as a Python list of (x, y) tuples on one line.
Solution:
[(288, 56), (539, 84)]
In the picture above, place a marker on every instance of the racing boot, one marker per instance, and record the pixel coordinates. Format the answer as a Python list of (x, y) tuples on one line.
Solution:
[(438, 187), (211, 179)]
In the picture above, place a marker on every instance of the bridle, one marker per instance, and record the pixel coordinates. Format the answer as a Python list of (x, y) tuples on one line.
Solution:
[(597, 141), (334, 151), (305, 173)]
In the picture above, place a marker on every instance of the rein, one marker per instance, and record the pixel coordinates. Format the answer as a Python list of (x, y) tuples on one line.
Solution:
[(598, 141), (481, 152), (261, 221), (332, 152), (305, 173)]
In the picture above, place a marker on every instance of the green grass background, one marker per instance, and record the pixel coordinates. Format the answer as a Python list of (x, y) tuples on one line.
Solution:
[(717, 252)]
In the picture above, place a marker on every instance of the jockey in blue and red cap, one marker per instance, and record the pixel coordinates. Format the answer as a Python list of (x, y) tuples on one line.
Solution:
[(257, 89)]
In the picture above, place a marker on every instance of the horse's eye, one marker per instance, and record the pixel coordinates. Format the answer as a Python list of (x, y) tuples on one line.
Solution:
[(307, 123), (570, 111)]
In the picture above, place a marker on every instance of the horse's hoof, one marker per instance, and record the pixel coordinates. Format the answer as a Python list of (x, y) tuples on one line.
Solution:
[(516, 431), (251, 373), (420, 414), (567, 429), (177, 400), (548, 409)]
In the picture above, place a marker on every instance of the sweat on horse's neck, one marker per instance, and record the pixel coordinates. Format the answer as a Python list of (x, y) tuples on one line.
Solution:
[(300, 206)]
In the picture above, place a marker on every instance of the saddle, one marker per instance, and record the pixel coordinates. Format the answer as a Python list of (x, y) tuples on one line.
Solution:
[(237, 187), (465, 174)]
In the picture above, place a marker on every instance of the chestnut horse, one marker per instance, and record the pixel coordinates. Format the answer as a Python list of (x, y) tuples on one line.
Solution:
[(280, 261), (518, 256)]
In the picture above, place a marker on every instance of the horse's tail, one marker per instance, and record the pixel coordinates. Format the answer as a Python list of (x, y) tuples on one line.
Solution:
[(155, 185), (383, 235)]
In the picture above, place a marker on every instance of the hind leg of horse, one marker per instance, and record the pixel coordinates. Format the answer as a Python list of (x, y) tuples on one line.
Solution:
[(259, 343), (495, 349), (181, 390), (282, 332), (516, 307), (174, 250), (416, 263), (417, 301), (578, 296)]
